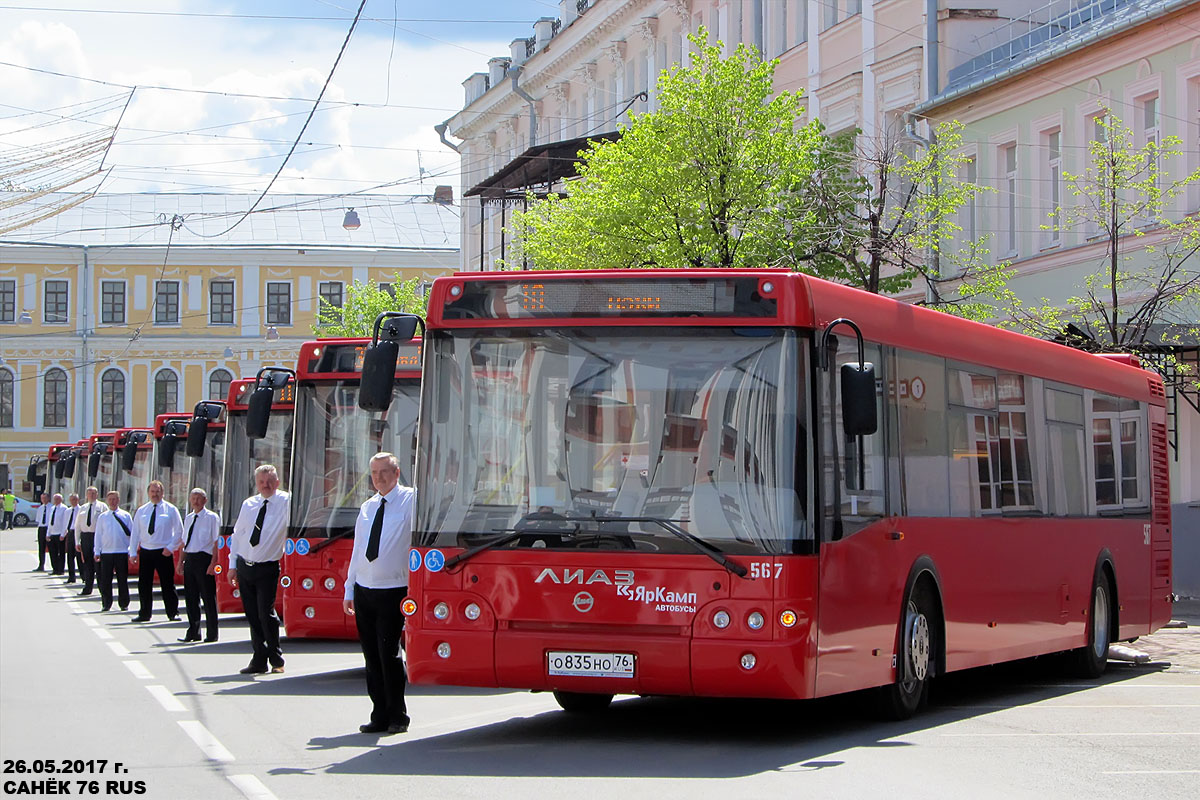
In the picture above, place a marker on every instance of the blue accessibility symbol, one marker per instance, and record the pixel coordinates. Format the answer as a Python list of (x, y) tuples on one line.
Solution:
[(434, 561), (220, 542), (302, 547), (288, 547), (414, 560)]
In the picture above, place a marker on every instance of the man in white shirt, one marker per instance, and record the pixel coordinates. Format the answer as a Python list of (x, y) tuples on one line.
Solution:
[(114, 529), (376, 584), (85, 536), (200, 530), (157, 534), (69, 538), (56, 528), (43, 523), (255, 548)]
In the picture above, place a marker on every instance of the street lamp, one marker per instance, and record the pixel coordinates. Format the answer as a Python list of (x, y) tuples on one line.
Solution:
[(351, 221), (25, 319), (228, 353), (272, 334)]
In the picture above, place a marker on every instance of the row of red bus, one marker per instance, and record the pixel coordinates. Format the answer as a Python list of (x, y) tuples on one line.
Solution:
[(750, 483)]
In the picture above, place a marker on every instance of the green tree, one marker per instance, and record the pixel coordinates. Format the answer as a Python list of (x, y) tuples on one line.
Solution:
[(1144, 294), (364, 301), (713, 178)]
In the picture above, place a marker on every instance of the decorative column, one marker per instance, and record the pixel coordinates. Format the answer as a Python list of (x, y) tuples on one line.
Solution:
[(647, 30)]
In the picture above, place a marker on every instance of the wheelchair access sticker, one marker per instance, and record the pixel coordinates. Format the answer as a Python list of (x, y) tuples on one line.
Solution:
[(302, 547), (414, 560), (220, 542), (434, 561), (288, 547)]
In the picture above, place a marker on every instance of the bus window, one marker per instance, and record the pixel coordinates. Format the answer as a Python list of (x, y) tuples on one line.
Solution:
[(920, 390), (1064, 429), (973, 430), (863, 474), (1119, 453)]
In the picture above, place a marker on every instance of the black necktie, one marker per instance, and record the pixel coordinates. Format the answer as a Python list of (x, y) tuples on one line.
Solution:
[(53, 514), (153, 516), (71, 521), (89, 517), (258, 523), (376, 532), (191, 528)]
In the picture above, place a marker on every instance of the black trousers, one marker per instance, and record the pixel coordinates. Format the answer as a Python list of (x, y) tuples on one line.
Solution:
[(72, 556), (87, 564), (200, 588), (41, 537), (149, 562), (110, 563), (56, 546), (380, 625), (8, 523), (258, 583)]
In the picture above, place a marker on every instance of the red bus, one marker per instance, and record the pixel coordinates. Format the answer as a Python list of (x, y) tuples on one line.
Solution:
[(242, 456), (330, 478), (58, 458), (168, 466), (693, 483), (206, 451), (100, 463)]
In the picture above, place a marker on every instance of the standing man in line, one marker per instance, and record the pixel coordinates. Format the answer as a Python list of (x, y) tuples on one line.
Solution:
[(56, 530), (69, 548), (376, 584), (255, 548), (10, 507), (43, 523), (85, 536), (201, 528), (114, 529), (157, 534)]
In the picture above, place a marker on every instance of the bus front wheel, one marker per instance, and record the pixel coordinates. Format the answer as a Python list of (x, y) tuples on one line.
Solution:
[(580, 703), (1091, 660), (916, 657)]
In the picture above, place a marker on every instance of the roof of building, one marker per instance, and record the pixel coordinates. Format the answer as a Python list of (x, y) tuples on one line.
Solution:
[(1045, 34), (387, 221)]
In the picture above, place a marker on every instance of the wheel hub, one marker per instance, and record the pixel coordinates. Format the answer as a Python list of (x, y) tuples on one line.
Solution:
[(918, 646)]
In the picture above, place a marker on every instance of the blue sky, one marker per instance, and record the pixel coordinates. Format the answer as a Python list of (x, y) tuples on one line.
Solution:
[(182, 141)]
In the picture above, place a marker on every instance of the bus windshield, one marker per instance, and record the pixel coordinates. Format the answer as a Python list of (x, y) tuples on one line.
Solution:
[(570, 433), (245, 455), (206, 471), (336, 440), (132, 484)]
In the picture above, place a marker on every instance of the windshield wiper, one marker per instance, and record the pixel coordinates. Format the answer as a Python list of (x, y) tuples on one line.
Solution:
[(510, 534), (319, 546), (670, 526)]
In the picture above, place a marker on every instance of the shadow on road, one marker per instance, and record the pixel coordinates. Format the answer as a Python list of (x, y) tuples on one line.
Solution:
[(348, 682)]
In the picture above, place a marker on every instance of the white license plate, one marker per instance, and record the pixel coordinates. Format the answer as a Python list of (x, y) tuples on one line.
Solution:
[(590, 665)]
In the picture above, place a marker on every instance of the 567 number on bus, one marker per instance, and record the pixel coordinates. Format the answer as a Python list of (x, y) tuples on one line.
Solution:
[(765, 570)]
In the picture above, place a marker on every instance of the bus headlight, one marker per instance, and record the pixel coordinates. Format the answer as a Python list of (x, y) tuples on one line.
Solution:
[(441, 611), (748, 660), (285, 581), (787, 618), (330, 584), (755, 620), (443, 650), (721, 619), (306, 584), (311, 612), (471, 611), (408, 607)]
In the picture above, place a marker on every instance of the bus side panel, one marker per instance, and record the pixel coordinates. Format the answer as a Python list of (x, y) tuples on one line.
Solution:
[(328, 620)]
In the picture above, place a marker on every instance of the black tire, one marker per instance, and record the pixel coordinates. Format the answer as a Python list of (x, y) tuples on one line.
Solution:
[(916, 656), (20, 520), (580, 703), (1091, 660)]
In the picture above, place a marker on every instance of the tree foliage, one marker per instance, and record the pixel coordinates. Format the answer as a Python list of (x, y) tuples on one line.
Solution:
[(714, 177), (363, 302)]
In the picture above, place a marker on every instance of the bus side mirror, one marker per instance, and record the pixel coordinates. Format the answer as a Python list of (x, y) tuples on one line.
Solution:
[(129, 455), (31, 473), (93, 465), (166, 450), (69, 467), (859, 416), (378, 376), (258, 412), (197, 429), (59, 466)]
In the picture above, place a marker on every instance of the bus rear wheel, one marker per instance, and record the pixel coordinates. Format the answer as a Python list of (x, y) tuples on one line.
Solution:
[(580, 703), (915, 660), (1091, 660)]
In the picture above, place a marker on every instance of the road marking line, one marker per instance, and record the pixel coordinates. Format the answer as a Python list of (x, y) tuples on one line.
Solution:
[(1039, 707), (1116, 733), (204, 739), (119, 649), (1110, 686), (1154, 772), (252, 787), (103, 634), (139, 670), (164, 697), (91, 623)]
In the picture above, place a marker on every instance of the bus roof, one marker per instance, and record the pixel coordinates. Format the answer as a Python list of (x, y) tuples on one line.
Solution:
[(162, 419), (120, 438), (239, 395), (322, 359)]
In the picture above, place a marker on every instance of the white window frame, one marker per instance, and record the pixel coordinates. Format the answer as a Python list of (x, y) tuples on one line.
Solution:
[(1010, 182), (1052, 185), (178, 303), (124, 301), (291, 318)]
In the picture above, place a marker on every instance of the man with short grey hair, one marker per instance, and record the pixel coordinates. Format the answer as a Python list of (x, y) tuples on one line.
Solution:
[(198, 567), (255, 548)]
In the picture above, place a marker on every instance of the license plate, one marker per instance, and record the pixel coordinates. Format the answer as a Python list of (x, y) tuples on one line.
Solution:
[(591, 665)]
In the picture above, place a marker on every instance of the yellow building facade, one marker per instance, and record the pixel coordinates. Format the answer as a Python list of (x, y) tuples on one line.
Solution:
[(105, 322)]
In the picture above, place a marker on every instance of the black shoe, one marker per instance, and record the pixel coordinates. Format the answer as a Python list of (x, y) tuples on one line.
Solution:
[(139, 618), (374, 727), (398, 727), (125, 607), (106, 608), (277, 669), (38, 569), (253, 670), (186, 639), (85, 594), (173, 617), (209, 639)]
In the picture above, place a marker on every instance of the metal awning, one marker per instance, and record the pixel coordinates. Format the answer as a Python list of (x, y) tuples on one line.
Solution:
[(541, 165)]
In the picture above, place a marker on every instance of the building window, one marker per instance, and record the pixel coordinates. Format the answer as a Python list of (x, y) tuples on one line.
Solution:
[(57, 300), (1008, 160), (970, 209), (6, 399), (829, 17), (112, 399), (1151, 134), (166, 392), (8, 300), (1052, 188), (279, 303), (166, 303), (54, 399), (388, 288), (330, 293), (112, 302), (220, 302), (218, 384)]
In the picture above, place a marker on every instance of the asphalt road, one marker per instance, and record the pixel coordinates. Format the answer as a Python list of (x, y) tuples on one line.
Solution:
[(76, 683)]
